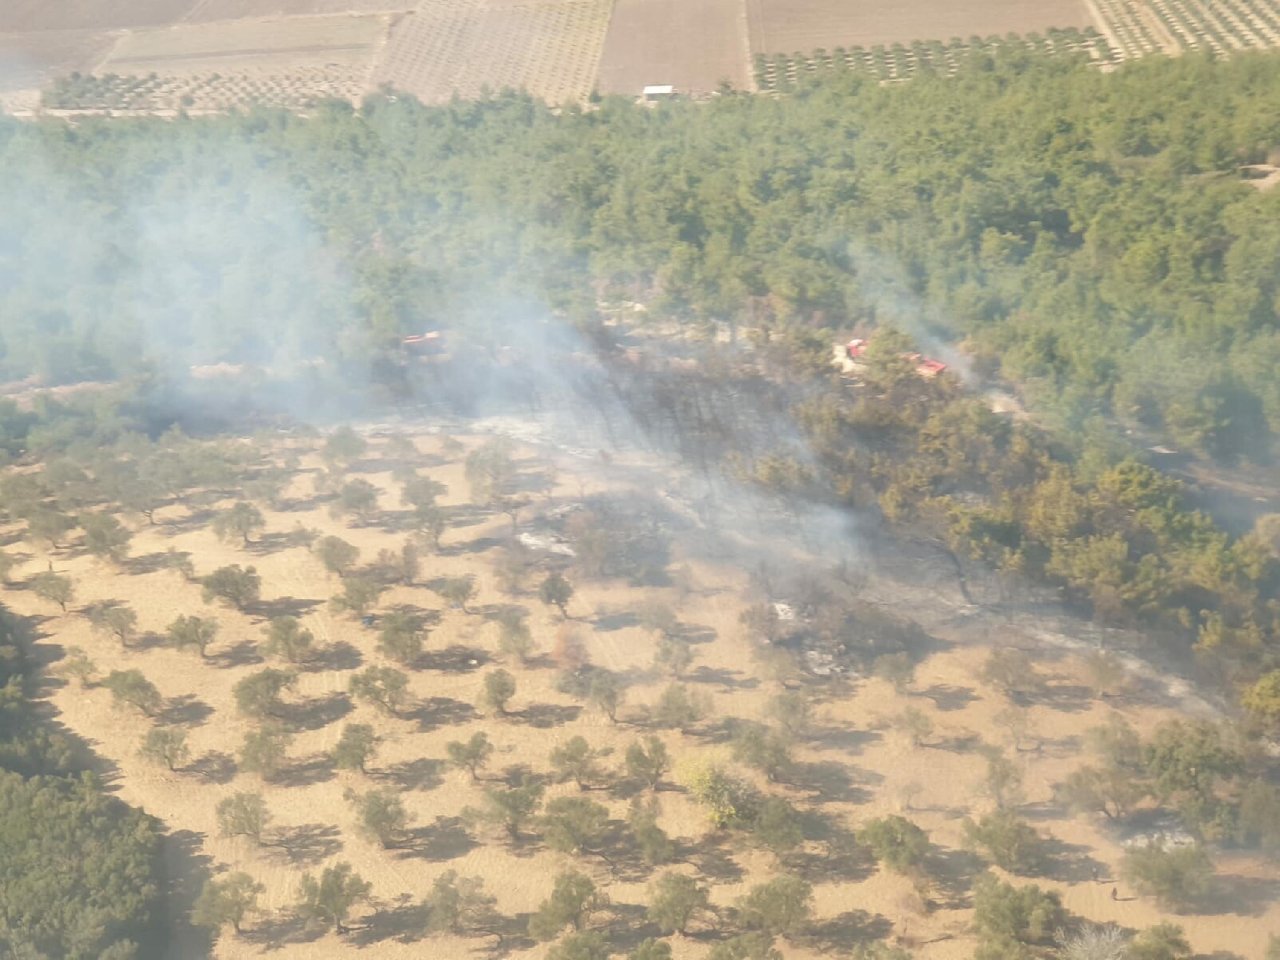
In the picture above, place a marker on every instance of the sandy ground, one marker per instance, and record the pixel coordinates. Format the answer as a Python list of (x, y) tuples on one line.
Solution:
[(854, 767)]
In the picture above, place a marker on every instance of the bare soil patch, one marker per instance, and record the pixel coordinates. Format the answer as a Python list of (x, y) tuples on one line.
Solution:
[(695, 45)]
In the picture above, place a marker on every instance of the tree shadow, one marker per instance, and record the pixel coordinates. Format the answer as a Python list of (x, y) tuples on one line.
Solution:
[(405, 921), (282, 607), (423, 773), (280, 929), (213, 767), (547, 715), (729, 679), (453, 659), (514, 774), (843, 858), (948, 697), (829, 782), (838, 932), (187, 867), (269, 543), (336, 656), (953, 872), (845, 739), (305, 844), (1065, 862), (186, 710), (607, 623), (148, 563), (317, 768), (712, 859), (241, 654), (436, 712), (445, 838), (1238, 895), (315, 713)]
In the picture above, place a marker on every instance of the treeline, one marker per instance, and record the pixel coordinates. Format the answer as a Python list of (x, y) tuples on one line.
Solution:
[(80, 871), (1089, 236)]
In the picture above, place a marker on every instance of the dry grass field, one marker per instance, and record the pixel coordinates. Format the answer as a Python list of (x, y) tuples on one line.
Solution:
[(462, 47), (692, 44), (852, 764)]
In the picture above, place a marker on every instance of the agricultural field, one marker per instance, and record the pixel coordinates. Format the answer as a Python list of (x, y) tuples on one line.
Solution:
[(693, 44), (463, 47), (786, 26), (904, 61), (1171, 26), (378, 675), (232, 63)]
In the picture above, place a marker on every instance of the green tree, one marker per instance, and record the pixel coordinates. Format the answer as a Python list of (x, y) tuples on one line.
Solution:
[(895, 842), (105, 536), (239, 586), (1012, 672), (458, 905), (1007, 840), (226, 900), (763, 749), (167, 745), (1003, 780), (330, 897), (756, 945), (647, 761), (556, 591), (458, 591), (575, 825), (650, 839), (776, 826), (1111, 791), (357, 597), (384, 687), (576, 760), (55, 588), (131, 688), (189, 631), (356, 498), (243, 815), (77, 665), (781, 906), (679, 708), (1164, 941), (118, 621), (343, 446), (792, 713), (336, 554), (401, 637), (238, 522), (1006, 916), (511, 807), (651, 949), (586, 945), (355, 747), (897, 668), (675, 900), (606, 693), (499, 688), (674, 654), (471, 755), (1178, 877), (573, 899), (514, 637), (381, 815), (263, 751), (49, 525), (258, 694), (288, 640)]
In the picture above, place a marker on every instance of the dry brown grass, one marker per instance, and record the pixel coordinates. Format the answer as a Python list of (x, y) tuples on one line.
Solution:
[(855, 767)]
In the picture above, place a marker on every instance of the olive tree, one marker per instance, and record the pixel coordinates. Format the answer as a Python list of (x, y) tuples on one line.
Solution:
[(118, 621), (189, 631), (575, 825), (287, 639), (499, 688), (780, 906), (258, 694), (243, 815), (556, 591), (577, 760), (572, 901), (238, 522), (105, 536), (166, 745), (355, 747), (330, 897), (238, 586), (675, 900), (130, 687), (336, 554), (380, 814), (384, 687), (458, 905), (263, 751), (226, 900), (471, 755), (55, 588)]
